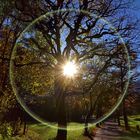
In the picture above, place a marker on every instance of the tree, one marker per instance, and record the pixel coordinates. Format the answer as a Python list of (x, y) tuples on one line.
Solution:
[(66, 36), (9, 30)]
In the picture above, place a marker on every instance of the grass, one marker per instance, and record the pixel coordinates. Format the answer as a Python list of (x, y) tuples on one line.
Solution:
[(42, 132), (46, 133), (38, 131), (50, 133), (130, 136), (134, 120), (133, 134)]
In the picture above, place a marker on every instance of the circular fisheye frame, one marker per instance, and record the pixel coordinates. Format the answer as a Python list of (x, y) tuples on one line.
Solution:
[(65, 69)]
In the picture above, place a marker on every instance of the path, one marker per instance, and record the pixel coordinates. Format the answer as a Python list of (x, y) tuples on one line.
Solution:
[(109, 131)]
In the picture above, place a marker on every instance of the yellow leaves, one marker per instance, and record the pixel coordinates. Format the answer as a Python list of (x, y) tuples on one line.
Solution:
[(133, 56), (35, 79), (36, 84)]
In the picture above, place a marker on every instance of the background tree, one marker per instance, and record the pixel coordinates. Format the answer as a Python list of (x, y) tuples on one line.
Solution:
[(9, 29)]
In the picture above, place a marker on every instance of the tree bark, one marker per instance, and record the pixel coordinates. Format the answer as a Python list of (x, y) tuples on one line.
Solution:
[(118, 120), (60, 107), (117, 117), (24, 128), (86, 132), (62, 121), (61, 134), (125, 116)]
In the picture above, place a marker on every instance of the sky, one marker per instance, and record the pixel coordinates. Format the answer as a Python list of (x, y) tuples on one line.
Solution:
[(137, 4), (137, 12)]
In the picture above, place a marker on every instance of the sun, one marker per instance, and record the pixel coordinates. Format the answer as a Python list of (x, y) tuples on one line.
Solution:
[(70, 69)]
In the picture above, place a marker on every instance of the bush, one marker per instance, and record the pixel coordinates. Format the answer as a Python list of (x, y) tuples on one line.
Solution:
[(6, 130)]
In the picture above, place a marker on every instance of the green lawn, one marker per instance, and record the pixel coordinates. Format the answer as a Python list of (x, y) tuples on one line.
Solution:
[(133, 121), (46, 133), (133, 134), (42, 132)]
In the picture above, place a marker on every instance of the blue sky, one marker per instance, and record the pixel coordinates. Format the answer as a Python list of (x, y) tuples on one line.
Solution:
[(137, 4), (137, 11)]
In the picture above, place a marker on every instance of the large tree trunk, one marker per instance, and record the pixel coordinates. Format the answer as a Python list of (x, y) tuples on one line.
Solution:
[(123, 103), (61, 134), (118, 117), (125, 116), (98, 113), (86, 131), (62, 121), (24, 125), (60, 107), (118, 120)]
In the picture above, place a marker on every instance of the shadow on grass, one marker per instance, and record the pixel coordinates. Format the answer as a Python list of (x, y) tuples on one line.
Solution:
[(130, 136)]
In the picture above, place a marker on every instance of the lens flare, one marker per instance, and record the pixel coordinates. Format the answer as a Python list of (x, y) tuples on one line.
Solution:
[(70, 69)]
